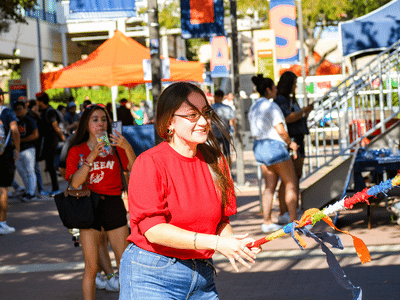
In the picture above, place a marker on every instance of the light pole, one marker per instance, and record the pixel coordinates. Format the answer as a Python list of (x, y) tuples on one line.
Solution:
[(302, 54), (154, 36), (238, 103)]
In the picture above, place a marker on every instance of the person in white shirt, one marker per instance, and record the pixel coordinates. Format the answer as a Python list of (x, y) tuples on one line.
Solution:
[(271, 144)]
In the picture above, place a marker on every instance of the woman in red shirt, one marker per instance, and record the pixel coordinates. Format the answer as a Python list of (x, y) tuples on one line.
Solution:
[(102, 176), (180, 199)]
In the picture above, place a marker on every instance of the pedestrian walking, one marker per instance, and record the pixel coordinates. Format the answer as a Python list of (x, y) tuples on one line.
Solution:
[(51, 135), (25, 163), (227, 115), (9, 151)]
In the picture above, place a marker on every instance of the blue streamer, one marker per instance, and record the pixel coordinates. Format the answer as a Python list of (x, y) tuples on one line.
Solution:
[(383, 187), (333, 264)]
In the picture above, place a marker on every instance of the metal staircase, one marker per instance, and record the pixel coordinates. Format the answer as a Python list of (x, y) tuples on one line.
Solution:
[(365, 104), (362, 106)]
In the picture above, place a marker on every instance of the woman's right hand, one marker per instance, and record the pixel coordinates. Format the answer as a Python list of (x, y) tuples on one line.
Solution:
[(234, 248), (95, 151), (294, 147)]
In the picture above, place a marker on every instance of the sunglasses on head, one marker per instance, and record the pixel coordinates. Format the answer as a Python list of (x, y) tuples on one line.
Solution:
[(91, 106)]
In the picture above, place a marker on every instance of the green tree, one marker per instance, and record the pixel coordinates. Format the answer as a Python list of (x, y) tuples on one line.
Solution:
[(10, 10), (248, 7), (169, 16), (317, 15)]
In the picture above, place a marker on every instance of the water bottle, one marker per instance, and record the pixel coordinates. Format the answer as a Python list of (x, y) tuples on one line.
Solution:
[(2, 138), (81, 161), (80, 164)]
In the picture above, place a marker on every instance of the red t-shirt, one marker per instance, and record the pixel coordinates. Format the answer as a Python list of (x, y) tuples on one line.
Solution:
[(104, 176), (166, 187)]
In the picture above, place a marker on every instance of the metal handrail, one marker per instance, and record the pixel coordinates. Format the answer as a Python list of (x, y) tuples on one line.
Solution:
[(361, 104)]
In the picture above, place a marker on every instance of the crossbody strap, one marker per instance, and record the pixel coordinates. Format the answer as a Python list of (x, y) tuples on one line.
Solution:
[(124, 183)]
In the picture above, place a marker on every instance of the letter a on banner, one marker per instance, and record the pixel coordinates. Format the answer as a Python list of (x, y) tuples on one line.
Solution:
[(219, 57), (202, 18), (282, 19)]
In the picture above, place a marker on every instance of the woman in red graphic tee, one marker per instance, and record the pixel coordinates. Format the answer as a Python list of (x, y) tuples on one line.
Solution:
[(179, 214), (89, 163)]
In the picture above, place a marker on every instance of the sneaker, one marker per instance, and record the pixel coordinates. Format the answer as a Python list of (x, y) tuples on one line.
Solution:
[(270, 227), (101, 282), (5, 229), (53, 193), (28, 197), (284, 219), (44, 193), (113, 284)]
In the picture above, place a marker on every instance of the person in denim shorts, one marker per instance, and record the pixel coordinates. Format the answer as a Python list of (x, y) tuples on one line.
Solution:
[(271, 143), (180, 198)]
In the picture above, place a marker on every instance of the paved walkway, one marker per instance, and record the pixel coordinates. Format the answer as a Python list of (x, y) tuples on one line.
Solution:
[(39, 261)]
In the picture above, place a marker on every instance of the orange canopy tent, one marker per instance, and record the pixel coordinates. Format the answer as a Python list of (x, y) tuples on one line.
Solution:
[(117, 61), (326, 68)]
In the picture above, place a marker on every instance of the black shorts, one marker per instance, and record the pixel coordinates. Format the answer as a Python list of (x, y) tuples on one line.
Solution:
[(110, 213), (7, 164)]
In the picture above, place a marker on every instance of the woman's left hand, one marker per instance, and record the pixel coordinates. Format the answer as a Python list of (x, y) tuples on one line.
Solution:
[(119, 141)]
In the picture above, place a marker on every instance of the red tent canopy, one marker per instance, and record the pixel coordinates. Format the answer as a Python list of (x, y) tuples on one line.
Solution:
[(326, 68), (118, 61)]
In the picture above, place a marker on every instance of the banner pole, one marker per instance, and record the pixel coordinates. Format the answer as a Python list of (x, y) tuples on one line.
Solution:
[(302, 54)]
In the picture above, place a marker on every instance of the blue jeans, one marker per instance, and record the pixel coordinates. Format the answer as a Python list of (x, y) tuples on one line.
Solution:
[(38, 177), (26, 169), (270, 152), (151, 276)]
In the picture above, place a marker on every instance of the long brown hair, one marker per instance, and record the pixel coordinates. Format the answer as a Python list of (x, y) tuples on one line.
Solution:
[(168, 103), (82, 132), (285, 84)]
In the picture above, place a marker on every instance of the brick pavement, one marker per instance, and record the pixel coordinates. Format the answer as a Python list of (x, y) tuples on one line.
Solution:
[(39, 261)]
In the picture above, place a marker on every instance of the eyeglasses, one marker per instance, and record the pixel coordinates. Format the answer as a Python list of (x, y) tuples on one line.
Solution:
[(196, 116)]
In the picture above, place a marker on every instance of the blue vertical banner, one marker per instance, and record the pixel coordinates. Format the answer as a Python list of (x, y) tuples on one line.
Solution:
[(202, 18), (282, 19), (220, 62)]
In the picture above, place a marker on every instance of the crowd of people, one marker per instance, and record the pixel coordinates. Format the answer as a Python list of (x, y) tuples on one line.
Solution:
[(38, 133), (166, 239)]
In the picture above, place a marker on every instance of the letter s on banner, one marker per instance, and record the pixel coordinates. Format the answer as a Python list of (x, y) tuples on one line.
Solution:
[(282, 16)]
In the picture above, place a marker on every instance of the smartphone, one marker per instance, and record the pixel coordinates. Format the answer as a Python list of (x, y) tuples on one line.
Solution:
[(116, 127)]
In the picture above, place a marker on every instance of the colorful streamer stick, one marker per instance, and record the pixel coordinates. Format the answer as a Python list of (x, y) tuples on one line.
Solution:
[(314, 215)]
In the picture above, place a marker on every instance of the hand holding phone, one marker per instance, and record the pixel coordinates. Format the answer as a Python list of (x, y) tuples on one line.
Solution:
[(116, 127)]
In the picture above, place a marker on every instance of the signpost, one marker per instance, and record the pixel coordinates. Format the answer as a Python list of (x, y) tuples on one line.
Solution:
[(265, 53), (17, 91)]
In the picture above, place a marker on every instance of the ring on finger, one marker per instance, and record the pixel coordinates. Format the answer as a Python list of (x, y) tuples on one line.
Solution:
[(237, 257)]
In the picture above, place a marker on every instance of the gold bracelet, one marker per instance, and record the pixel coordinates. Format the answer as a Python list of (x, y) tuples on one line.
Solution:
[(216, 244), (194, 241)]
